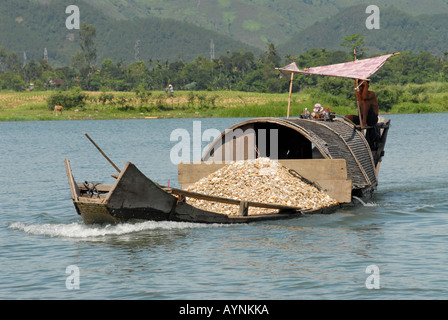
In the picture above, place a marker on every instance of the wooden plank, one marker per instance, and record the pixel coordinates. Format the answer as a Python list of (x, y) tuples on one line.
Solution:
[(229, 201), (318, 169), (191, 172), (244, 209), (339, 190), (103, 188), (134, 190), (74, 190), (92, 213)]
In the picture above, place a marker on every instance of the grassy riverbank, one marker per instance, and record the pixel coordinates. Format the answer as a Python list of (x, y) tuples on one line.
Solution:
[(31, 106), (126, 105)]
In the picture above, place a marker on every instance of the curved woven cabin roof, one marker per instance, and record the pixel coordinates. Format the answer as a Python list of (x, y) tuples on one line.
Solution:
[(301, 139)]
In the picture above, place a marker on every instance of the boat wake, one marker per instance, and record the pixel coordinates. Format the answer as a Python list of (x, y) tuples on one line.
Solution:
[(81, 231), (368, 204)]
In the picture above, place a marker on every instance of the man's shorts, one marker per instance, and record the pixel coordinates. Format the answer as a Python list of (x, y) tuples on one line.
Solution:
[(372, 118)]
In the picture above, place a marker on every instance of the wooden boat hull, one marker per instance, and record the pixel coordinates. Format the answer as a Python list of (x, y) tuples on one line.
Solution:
[(346, 169), (136, 197)]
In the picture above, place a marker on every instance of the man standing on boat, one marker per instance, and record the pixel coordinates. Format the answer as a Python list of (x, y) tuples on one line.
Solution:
[(368, 106), (368, 110)]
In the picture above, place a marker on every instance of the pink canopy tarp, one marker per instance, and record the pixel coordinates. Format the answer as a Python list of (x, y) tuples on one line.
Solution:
[(358, 69)]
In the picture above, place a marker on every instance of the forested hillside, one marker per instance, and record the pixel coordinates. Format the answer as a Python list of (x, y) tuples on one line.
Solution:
[(255, 22), (398, 31), (30, 27), (130, 30)]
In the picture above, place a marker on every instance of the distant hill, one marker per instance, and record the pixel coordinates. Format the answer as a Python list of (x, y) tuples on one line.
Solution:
[(255, 22), (31, 27), (398, 31), (183, 29)]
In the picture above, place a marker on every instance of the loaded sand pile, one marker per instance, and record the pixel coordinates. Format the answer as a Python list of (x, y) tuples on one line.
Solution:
[(259, 180)]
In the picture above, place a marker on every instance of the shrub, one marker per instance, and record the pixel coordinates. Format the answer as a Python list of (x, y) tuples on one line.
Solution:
[(142, 94), (68, 99), (388, 97), (105, 97)]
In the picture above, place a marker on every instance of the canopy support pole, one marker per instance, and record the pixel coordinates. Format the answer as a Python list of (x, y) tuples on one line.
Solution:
[(357, 102), (359, 114), (290, 93)]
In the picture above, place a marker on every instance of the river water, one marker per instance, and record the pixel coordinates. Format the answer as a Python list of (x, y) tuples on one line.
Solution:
[(394, 247)]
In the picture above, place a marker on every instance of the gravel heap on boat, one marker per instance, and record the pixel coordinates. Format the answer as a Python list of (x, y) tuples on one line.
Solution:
[(259, 180)]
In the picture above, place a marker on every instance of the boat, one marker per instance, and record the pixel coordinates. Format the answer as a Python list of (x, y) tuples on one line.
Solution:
[(329, 152)]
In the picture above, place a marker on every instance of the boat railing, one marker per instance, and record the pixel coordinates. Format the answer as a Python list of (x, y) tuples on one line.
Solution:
[(243, 204)]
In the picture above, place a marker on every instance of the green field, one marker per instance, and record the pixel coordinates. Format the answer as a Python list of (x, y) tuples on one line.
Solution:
[(32, 106)]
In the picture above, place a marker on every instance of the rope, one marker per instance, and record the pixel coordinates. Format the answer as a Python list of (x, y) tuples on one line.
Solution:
[(91, 188), (297, 175)]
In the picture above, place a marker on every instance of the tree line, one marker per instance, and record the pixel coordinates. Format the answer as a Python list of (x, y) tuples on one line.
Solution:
[(239, 71)]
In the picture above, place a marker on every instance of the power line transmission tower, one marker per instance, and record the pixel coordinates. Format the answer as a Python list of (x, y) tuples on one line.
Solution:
[(137, 51), (212, 50)]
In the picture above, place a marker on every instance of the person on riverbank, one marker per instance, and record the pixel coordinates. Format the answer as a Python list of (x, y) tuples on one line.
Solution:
[(170, 89)]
